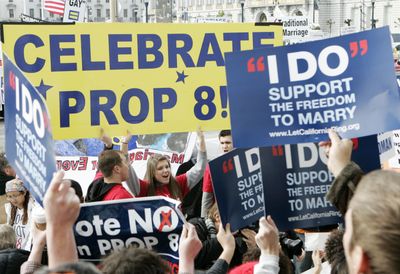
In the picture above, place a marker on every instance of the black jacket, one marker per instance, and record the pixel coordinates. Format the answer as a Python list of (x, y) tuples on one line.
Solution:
[(11, 260), (97, 190), (212, 249)]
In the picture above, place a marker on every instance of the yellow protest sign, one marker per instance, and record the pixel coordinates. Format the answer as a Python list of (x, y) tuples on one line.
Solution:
[(147, 78)]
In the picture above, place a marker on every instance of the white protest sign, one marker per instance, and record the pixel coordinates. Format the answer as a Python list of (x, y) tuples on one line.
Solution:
[(315, 241), (295, 28), (74, 10), (385, 145)]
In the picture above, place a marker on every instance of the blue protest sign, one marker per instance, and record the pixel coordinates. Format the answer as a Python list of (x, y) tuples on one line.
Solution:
[(296, 180), (295, 93), (29, 142), (150, 222), (238, 187)]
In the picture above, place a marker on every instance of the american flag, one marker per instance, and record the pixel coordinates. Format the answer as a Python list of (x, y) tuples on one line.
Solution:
[(54, 6)]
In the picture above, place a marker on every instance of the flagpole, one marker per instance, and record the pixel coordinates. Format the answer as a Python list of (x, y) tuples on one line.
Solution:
[(24, 6), (113, 10), (42, 9)]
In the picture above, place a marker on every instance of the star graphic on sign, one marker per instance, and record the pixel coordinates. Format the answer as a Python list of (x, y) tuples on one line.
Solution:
[(181, 76), (43, 88)]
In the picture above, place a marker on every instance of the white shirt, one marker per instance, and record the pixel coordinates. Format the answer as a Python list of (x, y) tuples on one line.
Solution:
[(22, 231)]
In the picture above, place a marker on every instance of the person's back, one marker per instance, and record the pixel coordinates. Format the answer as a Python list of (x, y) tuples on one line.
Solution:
[(11, 260), (372, 236)]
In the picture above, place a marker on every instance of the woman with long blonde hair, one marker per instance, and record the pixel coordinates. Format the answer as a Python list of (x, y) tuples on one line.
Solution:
[(160, 181)]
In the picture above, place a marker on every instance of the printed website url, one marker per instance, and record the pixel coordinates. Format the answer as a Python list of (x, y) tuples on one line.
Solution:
[(254, 212), (310, 216), (311, 131)]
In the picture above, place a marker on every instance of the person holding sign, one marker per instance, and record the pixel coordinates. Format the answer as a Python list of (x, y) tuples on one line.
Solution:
[(159, 180), (372, 207), (225, 142)]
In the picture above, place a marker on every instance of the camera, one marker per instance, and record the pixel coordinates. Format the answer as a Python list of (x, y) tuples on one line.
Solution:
[(289, 246)]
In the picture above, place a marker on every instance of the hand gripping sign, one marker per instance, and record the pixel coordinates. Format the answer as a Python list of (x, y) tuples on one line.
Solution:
[(296, 180), (150, 222)]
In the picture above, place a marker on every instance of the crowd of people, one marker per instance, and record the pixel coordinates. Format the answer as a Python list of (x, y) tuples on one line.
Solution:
[(36, 240)]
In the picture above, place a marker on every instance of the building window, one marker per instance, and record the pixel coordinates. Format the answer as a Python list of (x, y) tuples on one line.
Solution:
[(11, 13), (108, 13), (263, 17), (98, 12), (107, 1), (386, 14), (51, 15), (219, 2), (30, 0), (125, 13), (32, 12), (10, 1)]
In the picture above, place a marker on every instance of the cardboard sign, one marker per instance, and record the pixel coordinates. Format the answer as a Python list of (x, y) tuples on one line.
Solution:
[(294, 94), (238, 187), (29, 141), (146, 78), (150, 222)]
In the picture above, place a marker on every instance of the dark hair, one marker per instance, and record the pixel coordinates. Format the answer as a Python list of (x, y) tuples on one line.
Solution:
[(224, 133), (108, 159), (3, 161), (14, 210), (134, 260), (334, 245), (339, 264), (173, 186), (69, 268), (78, 189)]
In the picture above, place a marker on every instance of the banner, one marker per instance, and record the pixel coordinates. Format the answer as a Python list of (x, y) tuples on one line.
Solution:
[(151, 222), (295, 93), (148, 78), (78, 158), (238, 187), (296, 180), (29, 143)]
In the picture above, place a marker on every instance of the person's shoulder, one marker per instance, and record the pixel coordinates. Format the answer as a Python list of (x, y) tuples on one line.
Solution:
[(118, 192)]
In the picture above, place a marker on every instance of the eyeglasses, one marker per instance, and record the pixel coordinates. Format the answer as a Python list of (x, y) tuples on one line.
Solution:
[(13, 197)]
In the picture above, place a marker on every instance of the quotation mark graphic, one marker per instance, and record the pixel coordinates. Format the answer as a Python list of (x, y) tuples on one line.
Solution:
[(258, 66), (227, 166), (277, 150), (11, 79), (354, 46), (355, 143)]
